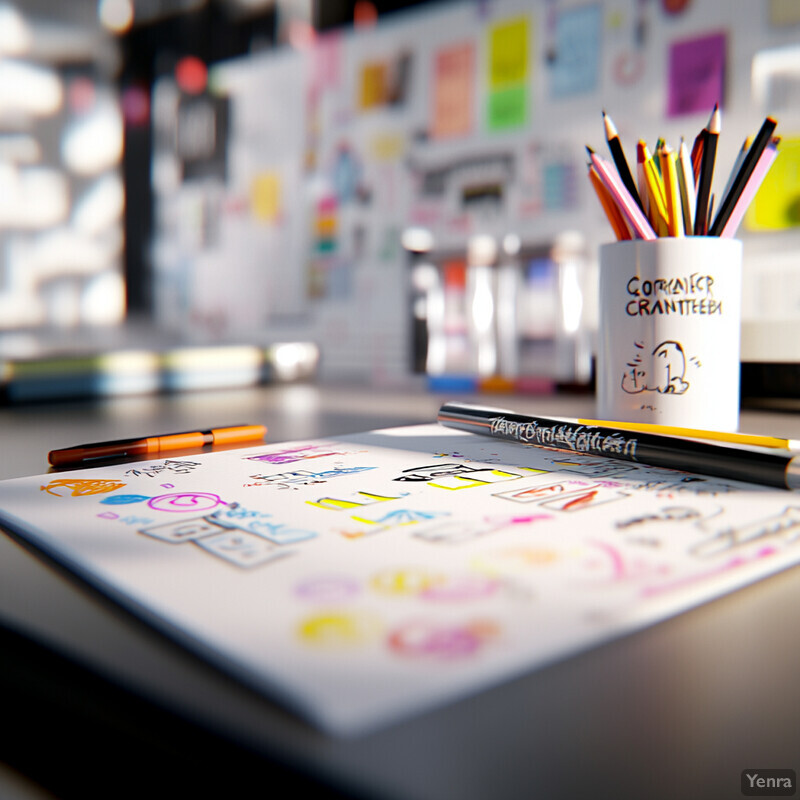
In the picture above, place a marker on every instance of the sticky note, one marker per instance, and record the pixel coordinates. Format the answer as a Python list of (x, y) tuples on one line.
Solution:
[(696, 74)]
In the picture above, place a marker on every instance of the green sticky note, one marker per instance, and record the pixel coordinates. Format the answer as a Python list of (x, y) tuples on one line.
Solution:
[(507, 108)]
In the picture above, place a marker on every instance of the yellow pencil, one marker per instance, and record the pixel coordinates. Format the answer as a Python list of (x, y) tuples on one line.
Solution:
[(669, 175), (752, 439), (655, 193)]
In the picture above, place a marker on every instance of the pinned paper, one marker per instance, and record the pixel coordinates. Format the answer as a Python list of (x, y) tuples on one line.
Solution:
[(507, 105), (696, 75), (373, 85), (508, 53), (265, 197), (508, 108), (454, 79), (576, 66)]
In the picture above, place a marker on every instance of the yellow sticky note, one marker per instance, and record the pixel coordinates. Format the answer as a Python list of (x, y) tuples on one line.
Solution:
[(265, 196), (776, 205), (373, 85), (508, 52)]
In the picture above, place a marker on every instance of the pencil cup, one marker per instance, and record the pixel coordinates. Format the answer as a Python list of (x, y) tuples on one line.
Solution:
[(669, 330)]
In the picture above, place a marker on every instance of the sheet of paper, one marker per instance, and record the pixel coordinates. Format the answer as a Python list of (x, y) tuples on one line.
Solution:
[(362, 579)]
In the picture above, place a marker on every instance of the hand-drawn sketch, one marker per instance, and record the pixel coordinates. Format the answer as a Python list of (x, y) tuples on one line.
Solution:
[(240, 536), (664, 373), (784, 526), (549, 552), (459, 530), (77, 487), (564, 495)]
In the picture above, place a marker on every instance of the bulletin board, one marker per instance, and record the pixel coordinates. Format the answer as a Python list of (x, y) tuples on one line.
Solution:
[(462, 118)]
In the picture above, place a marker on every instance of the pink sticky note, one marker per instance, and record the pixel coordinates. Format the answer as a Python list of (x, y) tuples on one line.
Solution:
[(696, 75)]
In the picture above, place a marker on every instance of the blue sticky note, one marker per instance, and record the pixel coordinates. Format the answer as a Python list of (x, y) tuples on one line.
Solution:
[(576, 66)]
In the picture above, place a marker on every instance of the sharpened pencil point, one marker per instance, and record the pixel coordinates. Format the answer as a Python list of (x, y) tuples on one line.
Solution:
[(715, 123)]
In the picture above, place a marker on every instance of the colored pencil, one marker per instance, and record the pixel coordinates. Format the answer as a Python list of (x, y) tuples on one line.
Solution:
[(642, 154), (761, 465), (697, 154), (706, 173), (613, 213), (763, 138), (617, 153), (737, 164), (752, 186), (669, 175), (687, 188), (656, 198), (640, 225)]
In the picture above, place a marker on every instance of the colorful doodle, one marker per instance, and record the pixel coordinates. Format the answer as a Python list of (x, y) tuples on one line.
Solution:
[(408, 581), (122, 499), (79, 487), (436, 640), (564, 495), (293, 454), (337, 629), (519, 560), (354, 500), (181, 502), (401, 516), (304, 477)]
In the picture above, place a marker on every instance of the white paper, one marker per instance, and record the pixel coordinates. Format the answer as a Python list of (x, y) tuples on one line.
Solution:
[(361, 579)]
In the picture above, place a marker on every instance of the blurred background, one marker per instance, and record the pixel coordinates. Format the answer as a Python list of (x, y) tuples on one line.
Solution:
[(202, 193)]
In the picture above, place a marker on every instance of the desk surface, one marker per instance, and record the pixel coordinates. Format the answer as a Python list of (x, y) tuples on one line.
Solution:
[(676, 710)]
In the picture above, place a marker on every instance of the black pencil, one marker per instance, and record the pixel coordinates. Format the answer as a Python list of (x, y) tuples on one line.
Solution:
[(765, 466), (761, 141), (621, 163), (706, 173)]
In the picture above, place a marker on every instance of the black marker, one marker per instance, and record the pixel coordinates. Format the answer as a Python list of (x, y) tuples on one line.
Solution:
[(762, 465)]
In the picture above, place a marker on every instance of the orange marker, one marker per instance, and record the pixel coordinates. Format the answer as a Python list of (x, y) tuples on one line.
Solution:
[(153, 445)]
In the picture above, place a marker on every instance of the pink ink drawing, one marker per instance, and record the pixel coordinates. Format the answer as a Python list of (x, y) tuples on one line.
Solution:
[(183, 502)]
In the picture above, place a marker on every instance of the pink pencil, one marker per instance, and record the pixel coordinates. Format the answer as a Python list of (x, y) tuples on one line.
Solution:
[(623, 198), (751, 187)]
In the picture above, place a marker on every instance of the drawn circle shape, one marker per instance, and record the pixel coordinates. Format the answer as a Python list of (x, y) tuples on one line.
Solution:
[(185, 502)]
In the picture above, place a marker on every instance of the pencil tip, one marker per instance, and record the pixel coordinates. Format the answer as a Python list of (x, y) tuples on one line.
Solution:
[(715, 122)]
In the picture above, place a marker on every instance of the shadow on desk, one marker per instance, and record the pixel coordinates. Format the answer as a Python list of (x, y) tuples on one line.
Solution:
[(76, 735)]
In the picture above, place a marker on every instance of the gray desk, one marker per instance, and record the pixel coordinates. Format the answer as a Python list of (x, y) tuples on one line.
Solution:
[(675, 711)]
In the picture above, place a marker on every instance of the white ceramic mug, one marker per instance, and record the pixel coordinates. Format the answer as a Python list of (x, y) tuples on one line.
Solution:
[(669, 332)]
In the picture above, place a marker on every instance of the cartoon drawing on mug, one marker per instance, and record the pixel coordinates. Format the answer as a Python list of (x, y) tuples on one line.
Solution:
[(664, 374)]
